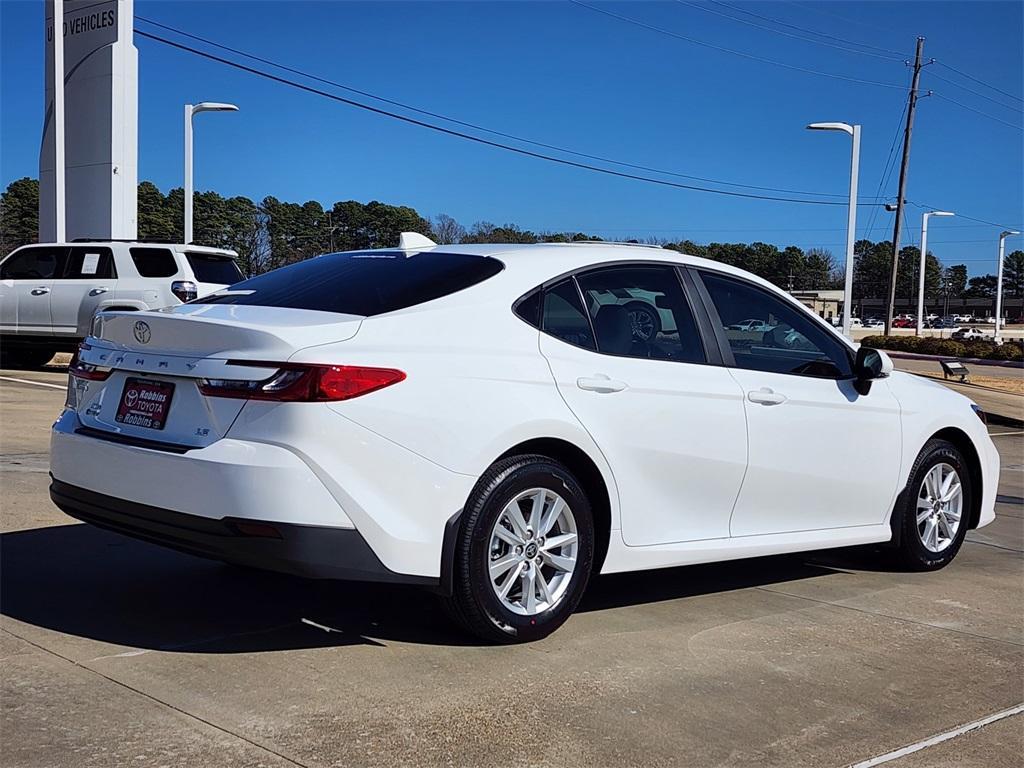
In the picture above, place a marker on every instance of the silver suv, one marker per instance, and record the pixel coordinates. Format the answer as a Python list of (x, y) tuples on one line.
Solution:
[(50, 292)]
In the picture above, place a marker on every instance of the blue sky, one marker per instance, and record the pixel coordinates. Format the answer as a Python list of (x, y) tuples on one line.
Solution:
[(562, 74)]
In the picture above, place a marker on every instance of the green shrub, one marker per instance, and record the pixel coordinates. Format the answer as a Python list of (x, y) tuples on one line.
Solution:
[(981, 349), (1008, 351)]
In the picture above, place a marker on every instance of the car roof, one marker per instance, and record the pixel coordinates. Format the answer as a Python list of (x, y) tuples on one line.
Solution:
[(536, 263), (85, 242)]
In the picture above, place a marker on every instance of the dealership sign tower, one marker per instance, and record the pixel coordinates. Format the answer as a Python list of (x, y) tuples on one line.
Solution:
[(100, 120)]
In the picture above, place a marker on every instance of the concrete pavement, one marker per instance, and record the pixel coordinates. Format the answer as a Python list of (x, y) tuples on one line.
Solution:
[(114, 652)]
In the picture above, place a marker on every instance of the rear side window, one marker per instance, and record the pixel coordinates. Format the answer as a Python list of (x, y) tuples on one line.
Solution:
[(641, 312), (210, 268), (362, 283), (564, 316), (35, 264), (154, 262), (90, 263)]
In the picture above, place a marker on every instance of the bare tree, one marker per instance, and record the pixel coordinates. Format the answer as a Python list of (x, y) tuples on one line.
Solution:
[(447, 230)]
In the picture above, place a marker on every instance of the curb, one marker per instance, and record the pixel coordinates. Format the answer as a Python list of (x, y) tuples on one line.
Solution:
[(971, 360)]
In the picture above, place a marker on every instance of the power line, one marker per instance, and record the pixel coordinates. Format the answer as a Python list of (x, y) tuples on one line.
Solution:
[(477, 139), (976, 80), (887, 169), (979, 94), (475, 126), (977, 111), (888, 54), (926, 207), (743, 54)]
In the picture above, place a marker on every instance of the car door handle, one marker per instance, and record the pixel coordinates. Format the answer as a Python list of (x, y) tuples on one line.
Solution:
[(98, 291), (40, 291), (765, 396), (600, 383)]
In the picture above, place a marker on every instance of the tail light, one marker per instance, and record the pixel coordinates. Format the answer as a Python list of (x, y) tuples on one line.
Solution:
[(82, 370), (185, 290), (303, 383)]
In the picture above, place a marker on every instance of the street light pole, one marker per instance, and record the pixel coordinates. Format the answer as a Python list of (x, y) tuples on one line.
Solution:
[(58, 120), (999, 279), (190, 112), (924, 259), (851, 219)]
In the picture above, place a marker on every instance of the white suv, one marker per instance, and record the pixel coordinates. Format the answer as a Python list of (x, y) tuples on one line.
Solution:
[(50, 292)]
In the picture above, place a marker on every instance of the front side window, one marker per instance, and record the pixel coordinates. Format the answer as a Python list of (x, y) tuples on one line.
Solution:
[(641, 312), (564, 316), (90, 263), (767, 333), (35, 264)]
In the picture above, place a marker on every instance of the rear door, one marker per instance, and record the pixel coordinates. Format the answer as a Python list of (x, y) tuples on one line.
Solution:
[(28, 277), (668, 420), (820, 455), (88, 278)]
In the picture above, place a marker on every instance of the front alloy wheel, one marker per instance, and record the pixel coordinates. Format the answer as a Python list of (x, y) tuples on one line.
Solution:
[(934, 508)]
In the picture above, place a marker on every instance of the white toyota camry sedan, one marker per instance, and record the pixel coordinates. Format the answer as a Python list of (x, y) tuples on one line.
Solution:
[(481, 420)]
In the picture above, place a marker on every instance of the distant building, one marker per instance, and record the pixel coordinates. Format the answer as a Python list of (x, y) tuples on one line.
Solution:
[(826, 304)]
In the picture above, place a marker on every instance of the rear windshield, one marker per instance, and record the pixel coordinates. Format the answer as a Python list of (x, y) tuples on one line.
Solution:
[(209, 268), (362, 283)]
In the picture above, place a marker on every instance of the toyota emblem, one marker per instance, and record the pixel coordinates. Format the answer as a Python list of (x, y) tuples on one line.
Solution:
[(142, 332)]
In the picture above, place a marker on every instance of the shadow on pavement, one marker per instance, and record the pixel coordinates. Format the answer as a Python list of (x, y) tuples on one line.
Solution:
[(83, 581)]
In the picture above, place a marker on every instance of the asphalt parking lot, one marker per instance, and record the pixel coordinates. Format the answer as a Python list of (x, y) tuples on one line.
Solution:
[(117, 653)]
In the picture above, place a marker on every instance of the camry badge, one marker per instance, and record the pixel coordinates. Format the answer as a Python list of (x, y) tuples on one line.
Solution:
[(142, 332)]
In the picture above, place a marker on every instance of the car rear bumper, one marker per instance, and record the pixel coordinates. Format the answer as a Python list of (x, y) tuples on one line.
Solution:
[(302, 550)]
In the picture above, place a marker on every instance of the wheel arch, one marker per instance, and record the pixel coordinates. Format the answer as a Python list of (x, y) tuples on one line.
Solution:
[(963, 443)]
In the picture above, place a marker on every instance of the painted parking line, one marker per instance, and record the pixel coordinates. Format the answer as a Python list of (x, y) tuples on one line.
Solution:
[(938, 738), (34, 383)]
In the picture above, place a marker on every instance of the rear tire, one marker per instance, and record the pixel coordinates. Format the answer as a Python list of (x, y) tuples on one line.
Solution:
[(542, 569), (935, 508)]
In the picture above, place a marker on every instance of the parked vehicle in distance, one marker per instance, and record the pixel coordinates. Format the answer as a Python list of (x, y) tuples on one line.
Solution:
[(903, 322), (471, 419), (963, 319), (970, 334), (50, 292), (874, 323), (989, 320), (751, 325), (945, 325)]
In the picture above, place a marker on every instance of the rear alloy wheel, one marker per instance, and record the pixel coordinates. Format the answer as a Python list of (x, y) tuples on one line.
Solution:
[(524, 553), (644, 320), (936, 503)]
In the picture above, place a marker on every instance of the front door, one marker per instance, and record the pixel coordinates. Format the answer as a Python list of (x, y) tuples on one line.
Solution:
[(821, 455), (631, 366), (28, 277)]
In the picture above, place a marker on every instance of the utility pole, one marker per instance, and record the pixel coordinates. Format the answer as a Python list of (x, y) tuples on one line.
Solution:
[(911, 106)]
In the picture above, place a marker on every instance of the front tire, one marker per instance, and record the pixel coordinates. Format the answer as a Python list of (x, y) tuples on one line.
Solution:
[(935, 508), (524, 551)]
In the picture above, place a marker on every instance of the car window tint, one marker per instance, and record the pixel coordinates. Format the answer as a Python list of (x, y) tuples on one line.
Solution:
[(767, 333), (362, 283), (210, 268), (34, 264), (154, 262), (564, 316), (641, 312), (90, 263), (528, 308)]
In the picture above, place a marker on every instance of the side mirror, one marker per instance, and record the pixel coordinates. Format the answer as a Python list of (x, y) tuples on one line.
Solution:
[(869, 365)]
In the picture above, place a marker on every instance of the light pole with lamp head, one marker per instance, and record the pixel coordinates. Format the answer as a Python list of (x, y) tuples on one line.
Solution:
[(999, 279), (190, 112), (851, 222), (924, 257)]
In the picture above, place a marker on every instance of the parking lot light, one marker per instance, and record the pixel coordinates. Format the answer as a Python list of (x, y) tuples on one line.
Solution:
[(851, 222), (190, 112), (999, 279), (924, 258)]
